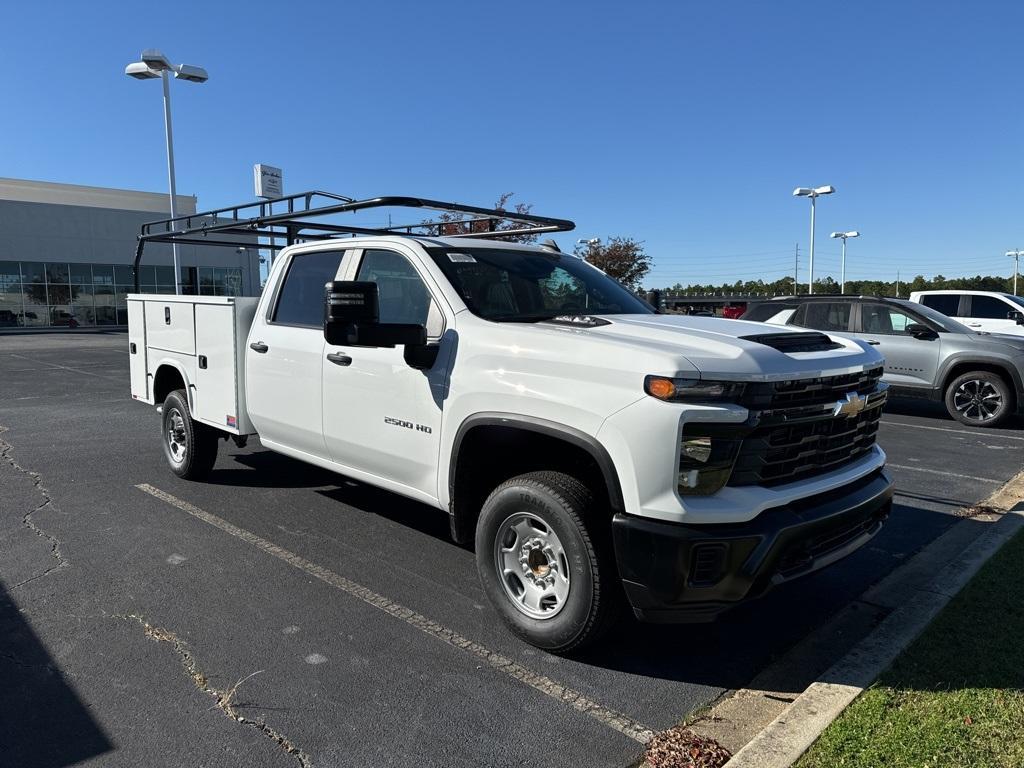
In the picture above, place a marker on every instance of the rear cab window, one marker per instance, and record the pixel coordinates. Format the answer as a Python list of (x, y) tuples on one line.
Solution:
[(300, 300), (946, 303)]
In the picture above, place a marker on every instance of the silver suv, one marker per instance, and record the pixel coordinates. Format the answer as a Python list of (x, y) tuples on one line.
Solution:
[(977, 375)]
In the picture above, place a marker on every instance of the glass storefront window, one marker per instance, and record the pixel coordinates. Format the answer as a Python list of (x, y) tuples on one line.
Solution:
[(33, 272), (39, 294), (207, 281), (57, 273), (103, 274), (105, 315), (10, 273), (165, 276), (123, 274), (80, 273)]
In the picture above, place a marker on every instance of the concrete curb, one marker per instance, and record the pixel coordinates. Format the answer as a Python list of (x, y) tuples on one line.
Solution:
[(787, 737)]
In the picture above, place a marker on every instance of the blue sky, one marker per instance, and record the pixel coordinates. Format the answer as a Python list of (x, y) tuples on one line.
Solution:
[(686, 125)]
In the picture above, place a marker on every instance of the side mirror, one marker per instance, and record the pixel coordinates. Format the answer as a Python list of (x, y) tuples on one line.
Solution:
[(352, 319), (1014, 314), (919, 331)]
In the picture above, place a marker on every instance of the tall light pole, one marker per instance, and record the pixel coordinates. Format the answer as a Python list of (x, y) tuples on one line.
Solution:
[(844, 235), (1016, 254), (155, 64), (813, 193)]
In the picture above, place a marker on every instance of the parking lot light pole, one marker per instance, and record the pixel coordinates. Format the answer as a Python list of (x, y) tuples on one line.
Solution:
[(154, 64), (842, 278), (814, 193), (1016, 254)]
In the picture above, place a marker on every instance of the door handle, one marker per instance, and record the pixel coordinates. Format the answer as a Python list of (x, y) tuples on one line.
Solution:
[(258, 346), (338, 359), (974, 325), (872, 342)]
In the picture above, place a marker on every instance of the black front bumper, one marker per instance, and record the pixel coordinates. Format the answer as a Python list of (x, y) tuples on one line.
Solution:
[(689, 573)]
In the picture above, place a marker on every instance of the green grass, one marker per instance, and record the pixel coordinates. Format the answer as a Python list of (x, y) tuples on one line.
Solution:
[(954, 698)]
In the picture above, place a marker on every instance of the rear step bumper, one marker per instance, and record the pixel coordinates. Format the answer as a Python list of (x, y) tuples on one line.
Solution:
[(691, 573)]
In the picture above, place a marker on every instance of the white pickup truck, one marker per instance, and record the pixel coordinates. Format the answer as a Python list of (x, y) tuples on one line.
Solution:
[(593, 449)]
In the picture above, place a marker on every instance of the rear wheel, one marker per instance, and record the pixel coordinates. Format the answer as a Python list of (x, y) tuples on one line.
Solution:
[(551, 578), (190, 447), (979, 399)]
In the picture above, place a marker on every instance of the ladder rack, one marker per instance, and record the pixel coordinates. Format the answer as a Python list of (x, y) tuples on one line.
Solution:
[(237, 225)]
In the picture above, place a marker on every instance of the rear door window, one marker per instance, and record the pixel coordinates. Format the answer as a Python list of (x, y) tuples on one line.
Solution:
[(989, 308), (301, 300), (946, 303), (825, 316)]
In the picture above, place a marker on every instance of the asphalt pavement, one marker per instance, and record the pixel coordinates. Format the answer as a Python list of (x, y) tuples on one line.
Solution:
[(334, 623)]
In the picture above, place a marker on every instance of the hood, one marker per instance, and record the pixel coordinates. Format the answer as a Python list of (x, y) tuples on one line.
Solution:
[(1015, 343), (722, 349)]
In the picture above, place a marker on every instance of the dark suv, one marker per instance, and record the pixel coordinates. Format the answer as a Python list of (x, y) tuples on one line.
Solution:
[(977, 375)]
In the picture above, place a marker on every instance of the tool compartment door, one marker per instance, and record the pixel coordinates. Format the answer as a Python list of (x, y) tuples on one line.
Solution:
[(137, 350), (171, 325), (217, 380)]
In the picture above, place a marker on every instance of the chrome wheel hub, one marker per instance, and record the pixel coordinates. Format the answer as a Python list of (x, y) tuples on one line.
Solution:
[(532, 566), (977, 400), (176, 436)]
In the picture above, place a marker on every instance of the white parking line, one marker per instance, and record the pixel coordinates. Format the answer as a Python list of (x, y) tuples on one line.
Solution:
[(945, 474), (991, 433), (545, 685)]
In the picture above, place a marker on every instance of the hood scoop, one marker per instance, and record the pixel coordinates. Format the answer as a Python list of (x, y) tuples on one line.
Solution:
[(795, 342), (579, 321)]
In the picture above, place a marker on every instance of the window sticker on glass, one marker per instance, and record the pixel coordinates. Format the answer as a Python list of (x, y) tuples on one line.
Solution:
[(464, 258)]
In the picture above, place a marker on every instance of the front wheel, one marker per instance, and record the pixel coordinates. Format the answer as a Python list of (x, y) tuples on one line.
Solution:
[(979, 399), (552, 580), (190, 447)]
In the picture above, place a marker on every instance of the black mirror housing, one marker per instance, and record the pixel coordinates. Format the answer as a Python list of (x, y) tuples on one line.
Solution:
[(352, 318), (919, 331), (1014, 314)]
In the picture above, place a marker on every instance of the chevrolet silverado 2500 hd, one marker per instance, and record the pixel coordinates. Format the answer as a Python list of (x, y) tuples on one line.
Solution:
[(589, 446)]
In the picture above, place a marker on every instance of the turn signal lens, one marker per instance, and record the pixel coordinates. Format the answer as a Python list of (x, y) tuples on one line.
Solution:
[(663, 389), (692, 390)]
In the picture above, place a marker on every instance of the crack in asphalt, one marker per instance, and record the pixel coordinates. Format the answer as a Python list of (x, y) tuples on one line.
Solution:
[(223, 698), (7, 455)]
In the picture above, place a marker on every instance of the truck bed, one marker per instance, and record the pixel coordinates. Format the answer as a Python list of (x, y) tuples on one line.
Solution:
[(204, 338)]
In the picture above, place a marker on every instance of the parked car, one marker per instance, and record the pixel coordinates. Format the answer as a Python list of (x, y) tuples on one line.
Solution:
[(580, 439), (927, 354), (979, 310)]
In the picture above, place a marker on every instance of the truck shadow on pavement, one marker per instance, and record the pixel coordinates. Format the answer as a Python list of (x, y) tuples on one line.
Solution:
[(43, 723)]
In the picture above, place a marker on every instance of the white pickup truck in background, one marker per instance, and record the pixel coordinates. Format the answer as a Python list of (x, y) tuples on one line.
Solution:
[(983, 311), (592, 448)]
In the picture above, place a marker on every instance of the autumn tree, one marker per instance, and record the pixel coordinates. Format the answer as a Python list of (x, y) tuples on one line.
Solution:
[(459, 224), (620, 257)]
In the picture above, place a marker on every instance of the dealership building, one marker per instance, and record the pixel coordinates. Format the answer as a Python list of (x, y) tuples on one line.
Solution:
[(66, 254)]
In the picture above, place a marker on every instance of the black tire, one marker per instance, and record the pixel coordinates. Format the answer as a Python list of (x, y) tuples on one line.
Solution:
[(979, 399), (190, 447), (553, 507)]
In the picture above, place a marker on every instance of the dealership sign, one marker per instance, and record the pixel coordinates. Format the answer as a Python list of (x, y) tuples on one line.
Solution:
[(268, 181)]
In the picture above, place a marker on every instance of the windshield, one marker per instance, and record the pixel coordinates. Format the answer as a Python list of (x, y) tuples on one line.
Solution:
[(944, 323), (1015, 299), (519, 286)]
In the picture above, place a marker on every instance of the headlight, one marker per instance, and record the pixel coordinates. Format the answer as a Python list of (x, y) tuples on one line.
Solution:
[(692, 390), (705, 462)]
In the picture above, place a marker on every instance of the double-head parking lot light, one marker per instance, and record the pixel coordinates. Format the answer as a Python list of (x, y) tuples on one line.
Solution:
[(154, 64), (844, 235), (814, 193)]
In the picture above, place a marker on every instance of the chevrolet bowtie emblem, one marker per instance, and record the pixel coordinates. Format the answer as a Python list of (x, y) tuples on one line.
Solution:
[(851, 406)]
